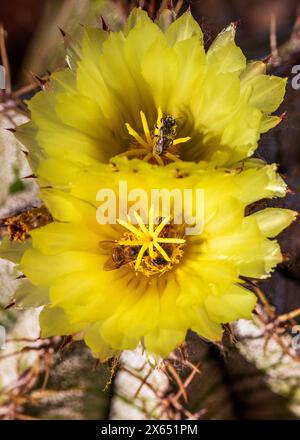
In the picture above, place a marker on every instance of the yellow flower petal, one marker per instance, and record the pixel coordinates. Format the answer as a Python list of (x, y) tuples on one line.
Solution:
[(183, 28), (54, 321), (237, 303), (267, 92), (271, 221), (28, 295), (93, 339), (60, 237), (36, 265), (223, 55)]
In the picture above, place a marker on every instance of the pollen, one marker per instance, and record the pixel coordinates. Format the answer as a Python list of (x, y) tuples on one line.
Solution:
[(158, 145), (161, 244), (19, 226)]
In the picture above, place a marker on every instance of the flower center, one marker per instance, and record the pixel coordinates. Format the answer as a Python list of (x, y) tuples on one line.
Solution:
[(159, 145), (152, 249)]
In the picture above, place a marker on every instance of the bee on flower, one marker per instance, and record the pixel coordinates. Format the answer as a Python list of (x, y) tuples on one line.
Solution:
[(154, 94), (117, 285)]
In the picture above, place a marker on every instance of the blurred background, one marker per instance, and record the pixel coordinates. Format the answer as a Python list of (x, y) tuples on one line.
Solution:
[(255, 373), (32, 25)]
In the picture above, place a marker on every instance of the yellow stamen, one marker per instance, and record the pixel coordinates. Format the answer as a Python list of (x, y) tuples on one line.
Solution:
[(130, 228), (172, 157), (141, 224), (130, 243), (140, 256), (151, 251), (146, 237), (136, 136), (146, 127), (158, 159), (159, 116), (151, 220), (145, 144), (135, 152), (181, 140), (161, 226), (147, 157), (170, 240)]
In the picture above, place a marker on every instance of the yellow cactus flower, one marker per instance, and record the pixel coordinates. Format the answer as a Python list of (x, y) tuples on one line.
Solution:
[(118, 285), (153, 94)]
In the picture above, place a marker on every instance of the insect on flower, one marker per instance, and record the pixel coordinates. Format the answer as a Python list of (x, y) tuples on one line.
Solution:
[(105, 289), (119, 255), (166, 134), (145, 254), (171, 75)]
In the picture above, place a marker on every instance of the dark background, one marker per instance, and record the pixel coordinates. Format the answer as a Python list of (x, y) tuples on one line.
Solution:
[(21, 19)]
